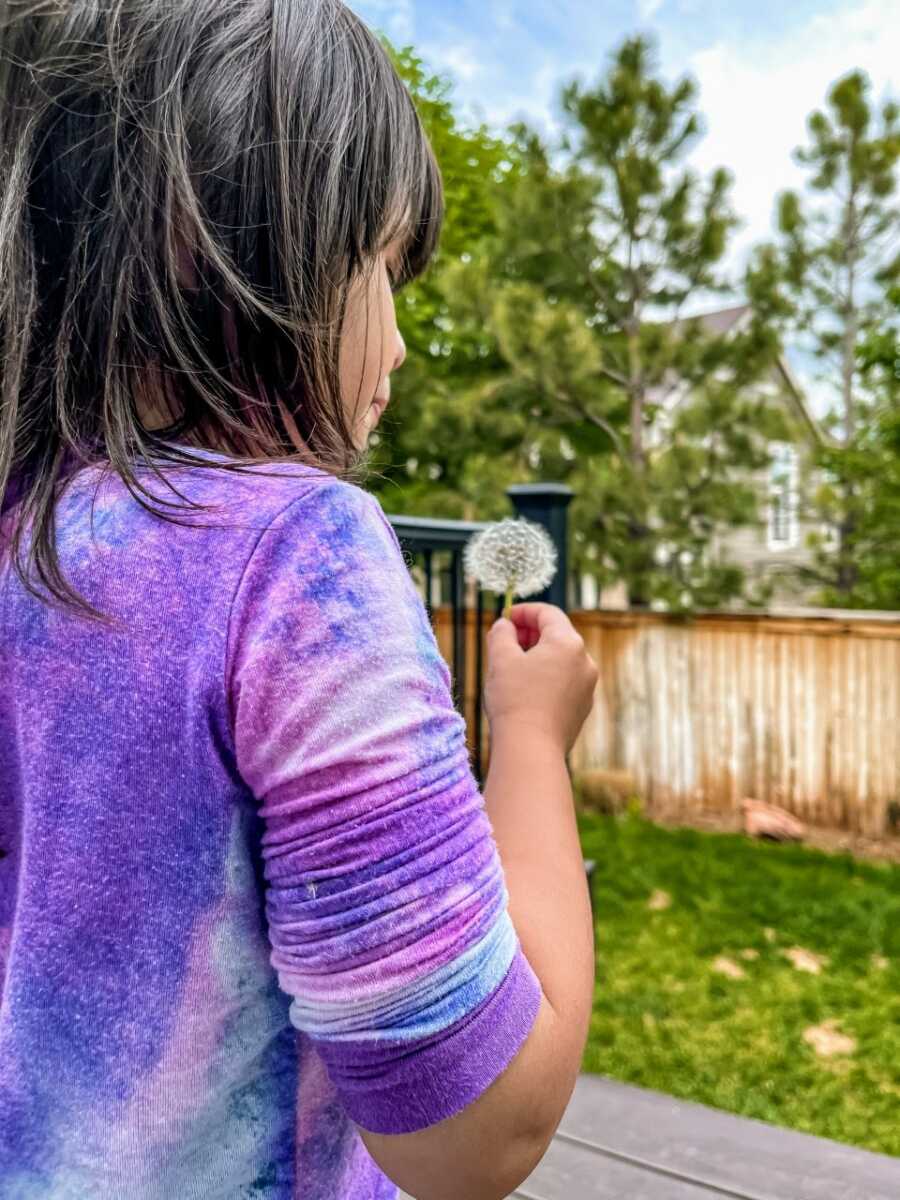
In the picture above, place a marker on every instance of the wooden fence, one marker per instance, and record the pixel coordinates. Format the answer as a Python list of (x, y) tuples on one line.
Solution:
[(803, 712)]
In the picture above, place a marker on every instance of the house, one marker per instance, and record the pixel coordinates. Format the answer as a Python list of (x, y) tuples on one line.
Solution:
[(771, 551)]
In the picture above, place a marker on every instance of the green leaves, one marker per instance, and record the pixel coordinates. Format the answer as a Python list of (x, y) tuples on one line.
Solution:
[(548, 340), (654, 241), (545, 342), (831, 284)]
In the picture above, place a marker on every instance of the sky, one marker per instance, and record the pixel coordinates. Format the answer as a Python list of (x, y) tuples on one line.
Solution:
[(761, 65)]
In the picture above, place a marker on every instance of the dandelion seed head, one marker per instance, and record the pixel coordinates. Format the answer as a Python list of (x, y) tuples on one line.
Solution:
[(512, 553)]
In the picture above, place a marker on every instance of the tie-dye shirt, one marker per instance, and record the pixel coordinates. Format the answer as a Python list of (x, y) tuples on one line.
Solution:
[(249, 893)]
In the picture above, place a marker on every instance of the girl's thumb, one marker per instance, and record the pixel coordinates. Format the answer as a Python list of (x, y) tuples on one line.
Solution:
[(504, 633)]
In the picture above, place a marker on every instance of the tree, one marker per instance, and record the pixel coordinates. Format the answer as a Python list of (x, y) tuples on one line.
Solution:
[(547, 339), (601, 242), (834, 268), (874, 466)]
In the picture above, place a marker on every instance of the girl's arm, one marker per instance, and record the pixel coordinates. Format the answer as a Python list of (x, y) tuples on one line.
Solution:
[(489, 1149), (386, 898)]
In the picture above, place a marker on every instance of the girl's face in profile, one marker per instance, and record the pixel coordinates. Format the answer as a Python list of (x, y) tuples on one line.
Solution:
[(371, 347)]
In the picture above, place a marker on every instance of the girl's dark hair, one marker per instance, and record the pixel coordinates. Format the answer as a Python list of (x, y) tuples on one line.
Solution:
[(187, 190)]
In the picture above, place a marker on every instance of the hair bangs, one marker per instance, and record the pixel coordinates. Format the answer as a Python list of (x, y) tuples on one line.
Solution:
[(418, 195), (395, 178)]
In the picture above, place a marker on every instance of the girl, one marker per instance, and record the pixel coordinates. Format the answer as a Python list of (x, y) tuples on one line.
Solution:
[(256, 938)]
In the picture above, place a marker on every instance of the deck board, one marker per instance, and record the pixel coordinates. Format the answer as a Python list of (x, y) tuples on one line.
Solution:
[(577, 1174), (618, 1142), (763, 1161)]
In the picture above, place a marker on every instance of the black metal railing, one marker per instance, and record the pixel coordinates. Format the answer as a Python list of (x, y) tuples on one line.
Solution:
[(437, 547)]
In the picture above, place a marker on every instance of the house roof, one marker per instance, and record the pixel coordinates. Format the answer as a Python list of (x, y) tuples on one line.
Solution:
[(716, 323), (726, 320)]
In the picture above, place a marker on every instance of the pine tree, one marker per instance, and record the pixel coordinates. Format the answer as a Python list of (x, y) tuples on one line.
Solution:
[(835, 266), (877, 451), (602, 242), (548, 340)]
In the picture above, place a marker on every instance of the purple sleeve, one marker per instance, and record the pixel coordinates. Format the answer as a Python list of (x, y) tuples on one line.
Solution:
[(385, 894)]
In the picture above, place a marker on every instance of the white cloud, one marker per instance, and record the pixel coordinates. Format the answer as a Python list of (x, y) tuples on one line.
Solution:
[(647, 9), (537, 107), (395, 17), (756, 99), (460, 59)]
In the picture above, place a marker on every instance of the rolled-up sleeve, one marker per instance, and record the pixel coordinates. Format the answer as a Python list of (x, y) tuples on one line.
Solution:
[(385, 895)]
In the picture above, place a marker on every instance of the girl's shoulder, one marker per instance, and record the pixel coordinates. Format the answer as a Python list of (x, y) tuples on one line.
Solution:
[(208, 493), (220, 479)]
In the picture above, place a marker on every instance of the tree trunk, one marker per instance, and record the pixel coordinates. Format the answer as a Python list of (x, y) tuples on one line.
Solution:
[(847, 570), (638, 529), (638, 593)]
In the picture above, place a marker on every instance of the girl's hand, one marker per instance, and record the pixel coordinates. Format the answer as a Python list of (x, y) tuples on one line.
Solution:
[(540, 678)]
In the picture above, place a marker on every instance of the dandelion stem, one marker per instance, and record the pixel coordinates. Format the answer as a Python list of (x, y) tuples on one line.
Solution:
[(510, 593)]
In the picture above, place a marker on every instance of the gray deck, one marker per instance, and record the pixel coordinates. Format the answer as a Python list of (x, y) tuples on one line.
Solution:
[(624, 1143)]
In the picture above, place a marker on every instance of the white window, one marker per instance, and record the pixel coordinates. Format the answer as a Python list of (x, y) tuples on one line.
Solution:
[(783, 499)]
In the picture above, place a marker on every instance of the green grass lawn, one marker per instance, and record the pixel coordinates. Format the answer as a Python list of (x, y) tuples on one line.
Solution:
[(665, 1018)]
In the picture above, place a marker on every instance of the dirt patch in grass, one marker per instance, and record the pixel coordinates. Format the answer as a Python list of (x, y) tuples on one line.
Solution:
[(827, 1040), (805, 960)]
